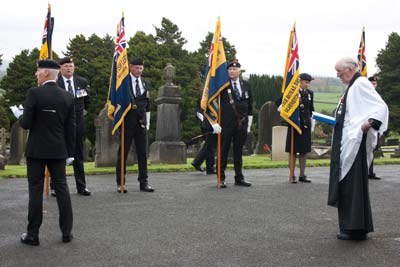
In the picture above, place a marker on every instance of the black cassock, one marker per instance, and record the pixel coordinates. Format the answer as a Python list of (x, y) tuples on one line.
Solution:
[(350, 195)]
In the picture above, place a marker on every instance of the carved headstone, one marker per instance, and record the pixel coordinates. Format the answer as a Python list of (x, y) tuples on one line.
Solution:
[(3, 140), (168, 147), (107, 144), (268, 117), (18, 138), (278, 143)]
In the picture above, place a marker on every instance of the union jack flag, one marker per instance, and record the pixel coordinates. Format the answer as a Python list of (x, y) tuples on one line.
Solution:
[(46, 48), (294, 55), (217, 78), (118, 100), (291, 84), (120, 42), (362, 60)]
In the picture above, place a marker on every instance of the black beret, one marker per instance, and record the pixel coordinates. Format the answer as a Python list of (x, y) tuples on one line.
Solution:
[(234, 63), (48, 64), (306, 77), (137, 61), (66, 60), (372, 79)]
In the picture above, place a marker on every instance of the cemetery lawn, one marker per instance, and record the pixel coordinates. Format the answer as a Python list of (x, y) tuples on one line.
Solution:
[(249, 162)]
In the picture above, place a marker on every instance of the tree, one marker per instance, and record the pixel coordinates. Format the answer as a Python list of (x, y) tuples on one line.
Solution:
[(388, 62), (19, 78)]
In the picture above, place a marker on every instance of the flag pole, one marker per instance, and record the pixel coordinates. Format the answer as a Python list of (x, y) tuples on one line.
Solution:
[(47, 174), (219, 145), (122, 156), (291, 161)]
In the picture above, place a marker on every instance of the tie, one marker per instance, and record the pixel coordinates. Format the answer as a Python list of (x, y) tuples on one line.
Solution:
[(236, 90), (137, 88), (70, 90)]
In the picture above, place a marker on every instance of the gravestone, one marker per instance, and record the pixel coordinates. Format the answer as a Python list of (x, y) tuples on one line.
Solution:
[(18, 138), (268, 117), (3, 162), (3, 141), (168, 147), (278, 143), (107, 144)]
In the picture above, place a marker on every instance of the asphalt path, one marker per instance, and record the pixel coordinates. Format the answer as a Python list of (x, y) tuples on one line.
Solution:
[(187, 221)]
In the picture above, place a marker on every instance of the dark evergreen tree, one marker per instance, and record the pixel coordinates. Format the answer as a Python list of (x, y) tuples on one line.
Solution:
[(388, 62)]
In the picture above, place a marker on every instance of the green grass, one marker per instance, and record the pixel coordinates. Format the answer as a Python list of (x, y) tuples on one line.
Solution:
[(332, 98), (249, 162)]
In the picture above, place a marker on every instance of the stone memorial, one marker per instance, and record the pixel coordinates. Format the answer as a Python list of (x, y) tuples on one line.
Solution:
[(107, 144), (279, 143), (268, 117), (168, 147), (18, 138)]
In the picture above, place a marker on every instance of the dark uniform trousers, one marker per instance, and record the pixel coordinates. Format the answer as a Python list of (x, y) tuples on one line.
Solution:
[(207, 151), (35, 171), (237, 136), (78, 156), (134, 131)]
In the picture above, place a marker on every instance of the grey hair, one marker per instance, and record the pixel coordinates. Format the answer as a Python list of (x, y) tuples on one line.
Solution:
[(53, 73), (347, 62)]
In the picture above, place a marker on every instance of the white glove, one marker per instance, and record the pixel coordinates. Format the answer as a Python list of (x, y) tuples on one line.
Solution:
[(200, 116), (17, 111), (216, 128), (250, 117), (68, 161), (147, 120)]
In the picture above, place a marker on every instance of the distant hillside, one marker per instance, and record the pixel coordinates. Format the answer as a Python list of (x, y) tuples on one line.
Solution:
[(327, 85)]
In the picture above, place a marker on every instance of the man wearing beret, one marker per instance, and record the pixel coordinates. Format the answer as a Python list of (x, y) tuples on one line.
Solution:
[(49, 116), (236, 120), (302, 142), (136, 124), (78, 87)]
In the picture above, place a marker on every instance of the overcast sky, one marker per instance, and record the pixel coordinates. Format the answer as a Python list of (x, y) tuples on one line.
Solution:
[(326, 30)]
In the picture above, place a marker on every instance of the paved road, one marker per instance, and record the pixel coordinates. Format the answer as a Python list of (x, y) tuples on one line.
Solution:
[(189, 222)]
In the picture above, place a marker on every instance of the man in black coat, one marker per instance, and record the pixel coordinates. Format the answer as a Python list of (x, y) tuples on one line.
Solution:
[(78, 87), (136, 124), (236, 119), (50, 118)]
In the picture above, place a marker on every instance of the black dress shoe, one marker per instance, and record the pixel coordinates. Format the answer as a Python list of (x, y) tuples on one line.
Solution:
[(294, 181), (67, 238), (119, 190), (52, 193), (197, 167), (352, 236), (211, 172), (146, 188), (304, 179), (374, 177), (84, 192), (29, 240), (242, 182), (222, 184)]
